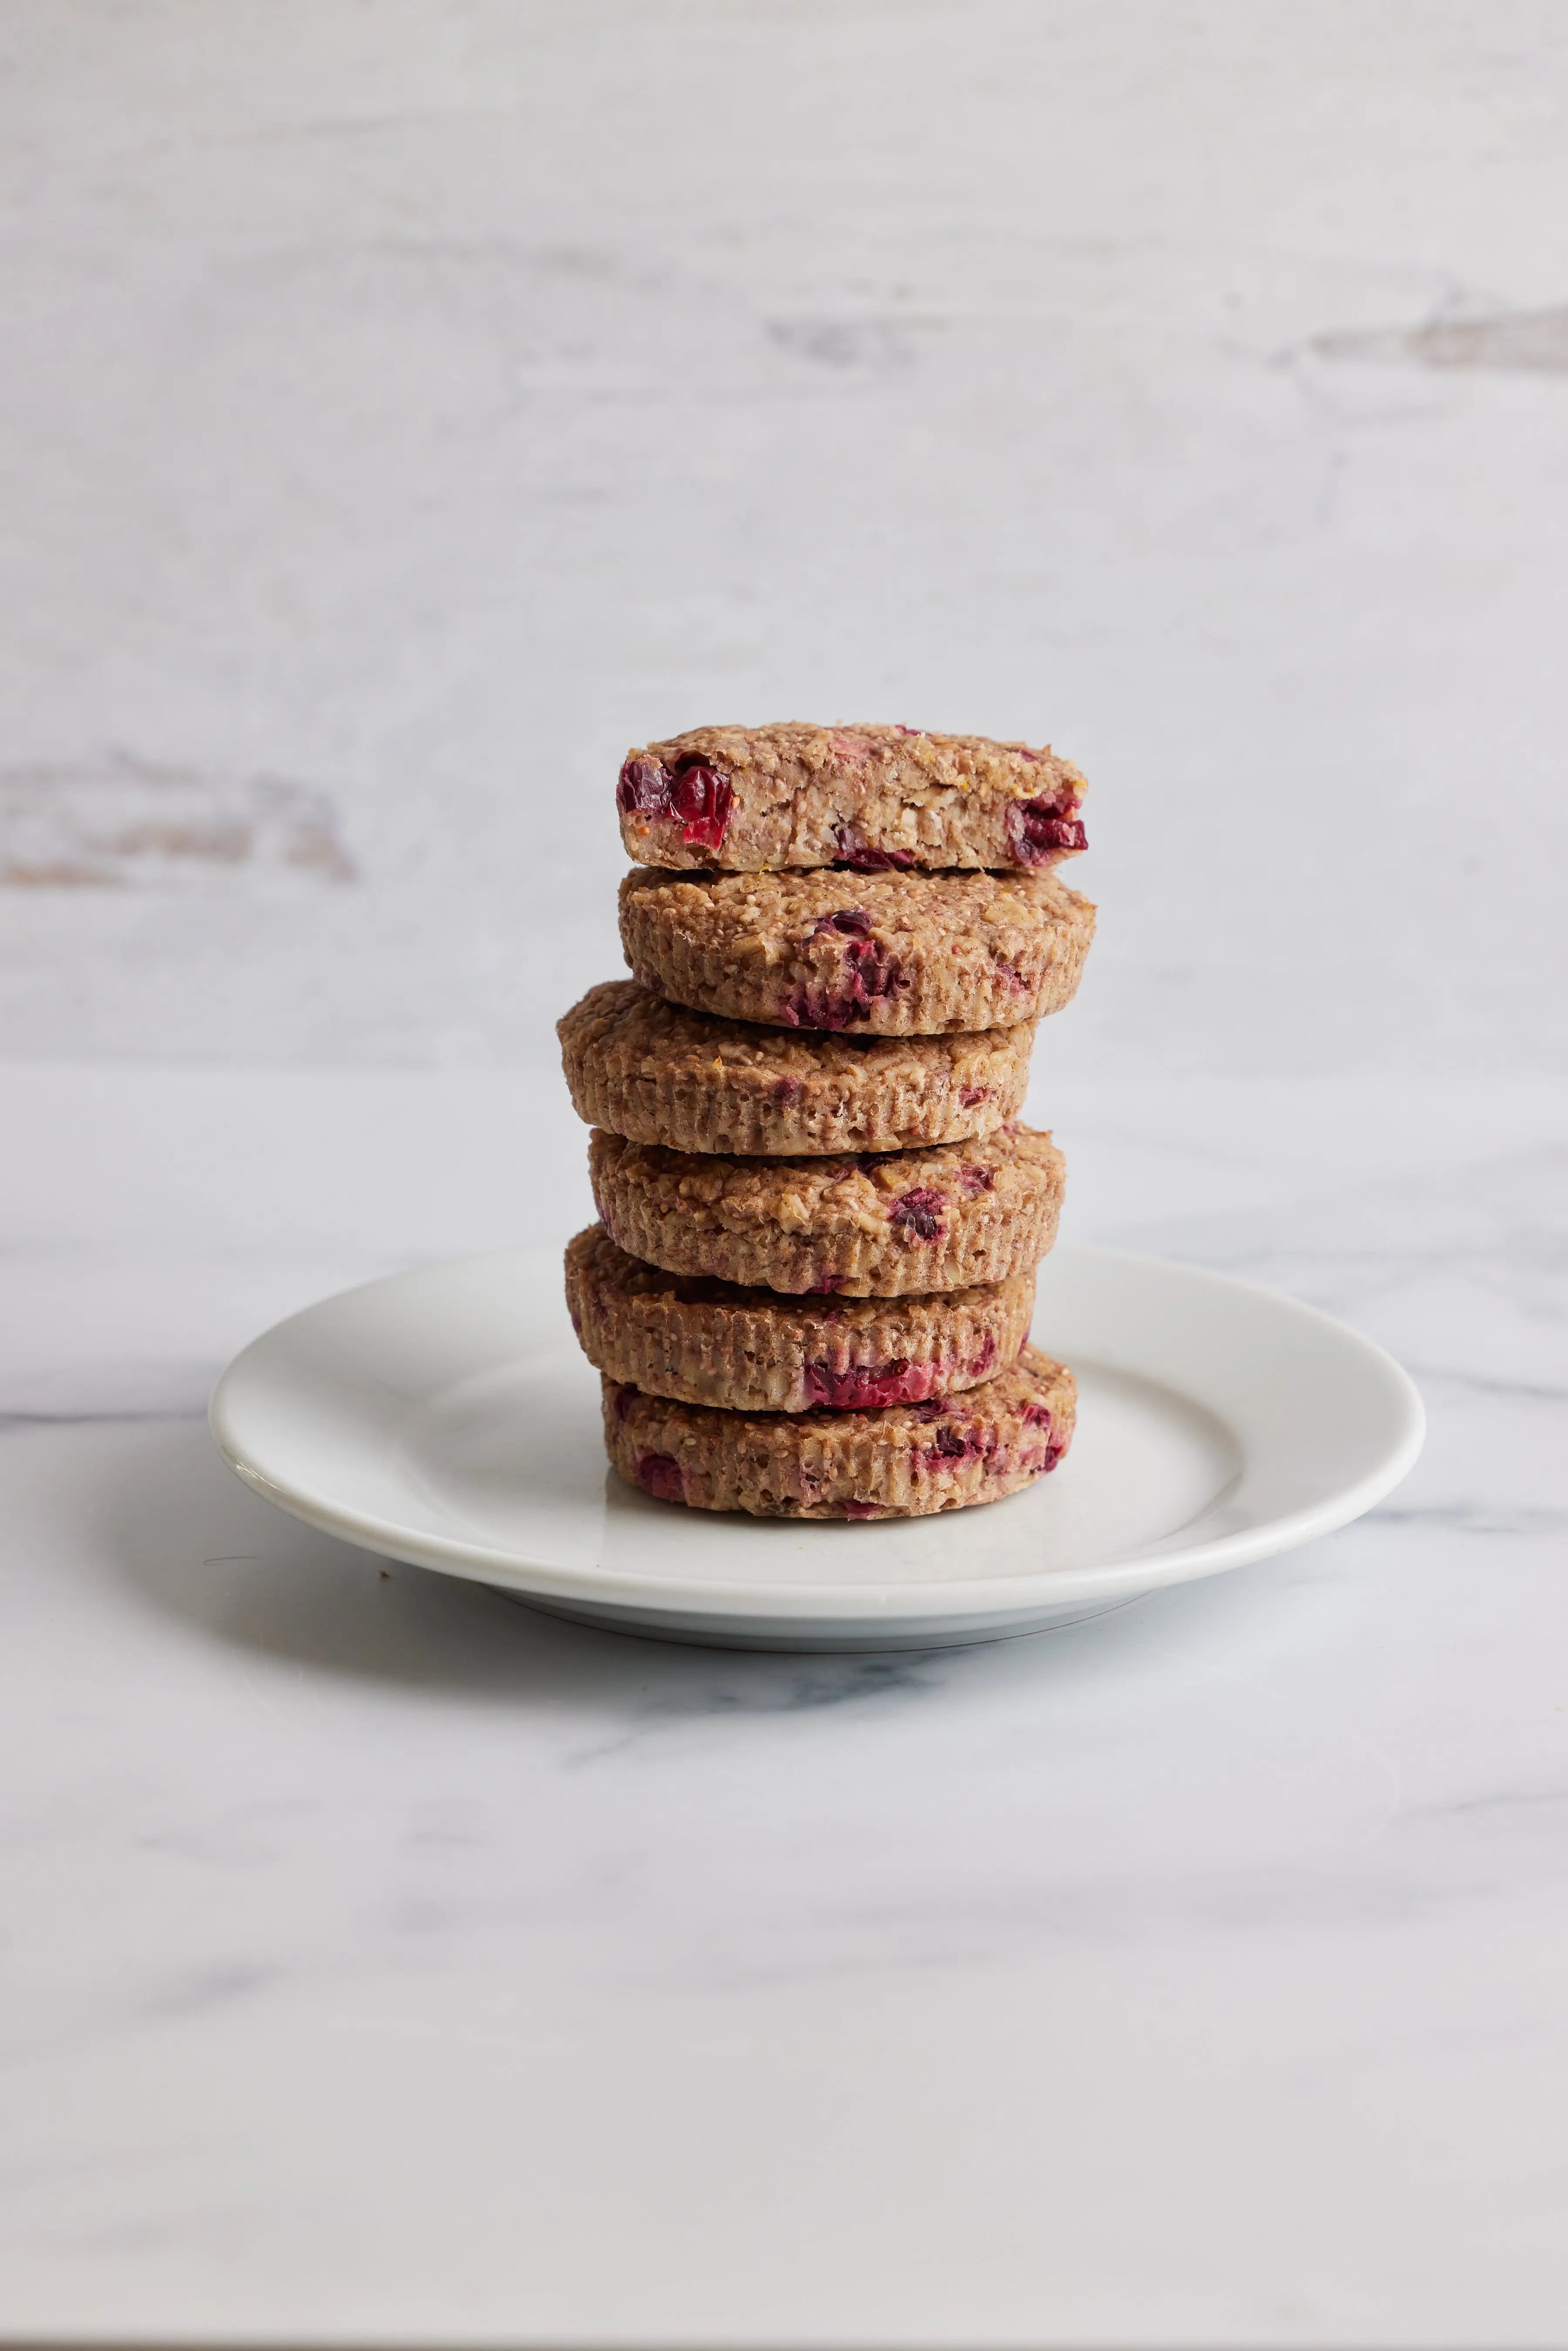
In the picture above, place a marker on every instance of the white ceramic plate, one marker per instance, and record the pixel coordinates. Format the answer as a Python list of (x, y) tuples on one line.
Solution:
[(445, 1416)]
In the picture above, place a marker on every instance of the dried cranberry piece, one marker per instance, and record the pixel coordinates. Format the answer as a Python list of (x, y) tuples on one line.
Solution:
[(918, 1214), (977, 1179), (985, 1359), (1036, 1415), (700, 798), (692, 794), (863, 1388), (952, 1447), (786, 1088), (969, 1095), (871, 970), (643, 789), (862, 1510), (660, 1474), (826, 1285), (856, 851), (1040, 830)]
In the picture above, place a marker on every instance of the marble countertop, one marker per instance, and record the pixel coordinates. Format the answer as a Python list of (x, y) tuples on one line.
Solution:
[(385, 1964)]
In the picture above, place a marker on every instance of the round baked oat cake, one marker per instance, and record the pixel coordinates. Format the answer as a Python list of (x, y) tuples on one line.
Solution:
[(893, 954), (902, 1461), (705, 1342), (659, 1072), (743, 799), (880, 1225)]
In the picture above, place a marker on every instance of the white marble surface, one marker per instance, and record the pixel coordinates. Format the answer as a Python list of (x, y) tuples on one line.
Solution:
[(382, 1963), (407, 406)]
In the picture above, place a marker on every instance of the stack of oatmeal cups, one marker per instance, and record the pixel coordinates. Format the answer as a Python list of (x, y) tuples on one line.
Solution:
[(811, 1288)]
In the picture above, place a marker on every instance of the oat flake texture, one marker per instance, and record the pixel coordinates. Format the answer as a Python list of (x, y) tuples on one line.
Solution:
[(706, 1341)]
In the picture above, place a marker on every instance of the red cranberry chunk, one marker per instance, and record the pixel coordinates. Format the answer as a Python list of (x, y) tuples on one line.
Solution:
[(660, 1474), (862, 1510), (856, 851), (1036, 1415), (870, 971), (986, 1358), (863, 1388), (969, 1095), (977, 1179), (700, 799), (1043, 828), (643, 789), (953, 1447), (918, 1214), (693, 795)]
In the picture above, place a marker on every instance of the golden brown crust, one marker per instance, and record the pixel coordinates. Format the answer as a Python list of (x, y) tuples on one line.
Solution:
[(891, 954), (712, 1342), (660, 1073), (742, 800), (883, 1226), (903, 1461)]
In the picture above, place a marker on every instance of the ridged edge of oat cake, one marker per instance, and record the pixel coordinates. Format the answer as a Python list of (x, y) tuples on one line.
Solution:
[(699, 1341), (698, 1082), (884, 1225), (904, 1462)]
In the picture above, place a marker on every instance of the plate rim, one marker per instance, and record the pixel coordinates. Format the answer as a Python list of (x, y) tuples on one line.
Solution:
[(844, 1603)]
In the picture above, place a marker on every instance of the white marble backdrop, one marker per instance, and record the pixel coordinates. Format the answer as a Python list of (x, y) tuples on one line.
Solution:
[(407, 405)]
